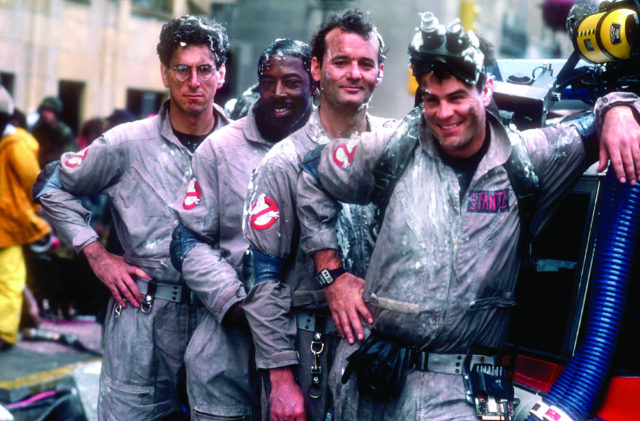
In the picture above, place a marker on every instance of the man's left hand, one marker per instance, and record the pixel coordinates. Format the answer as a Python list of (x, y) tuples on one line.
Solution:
[(620, 143)]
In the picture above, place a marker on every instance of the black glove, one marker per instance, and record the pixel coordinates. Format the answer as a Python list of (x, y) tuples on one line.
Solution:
[(381, 365)]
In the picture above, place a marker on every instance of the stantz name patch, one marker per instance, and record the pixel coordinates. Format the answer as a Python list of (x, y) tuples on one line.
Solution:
[(483, 201)]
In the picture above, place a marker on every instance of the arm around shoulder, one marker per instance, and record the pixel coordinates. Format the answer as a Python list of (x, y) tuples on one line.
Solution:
[(617, 116)]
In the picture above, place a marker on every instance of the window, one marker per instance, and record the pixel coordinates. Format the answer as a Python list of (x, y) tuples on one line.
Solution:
[(153, 7), (143, 103), (7, 80)]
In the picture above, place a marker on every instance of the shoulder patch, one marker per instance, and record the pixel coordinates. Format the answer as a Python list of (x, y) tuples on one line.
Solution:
[(77, 159), (192, 198), (343, 154), (264, 213)]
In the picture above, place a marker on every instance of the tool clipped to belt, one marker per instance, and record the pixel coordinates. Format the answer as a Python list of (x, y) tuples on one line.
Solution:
[(490, 389), (323, 328), (317, 348), (381, 365)]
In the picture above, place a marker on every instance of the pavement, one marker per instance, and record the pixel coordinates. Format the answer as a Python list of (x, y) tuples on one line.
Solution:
[(41, 375)]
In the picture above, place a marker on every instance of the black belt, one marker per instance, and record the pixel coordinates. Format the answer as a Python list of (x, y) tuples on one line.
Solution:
[(313, 322), (176, 293)]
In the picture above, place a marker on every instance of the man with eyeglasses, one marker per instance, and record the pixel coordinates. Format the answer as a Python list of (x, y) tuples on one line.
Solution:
[(209, 245), (142, 167)]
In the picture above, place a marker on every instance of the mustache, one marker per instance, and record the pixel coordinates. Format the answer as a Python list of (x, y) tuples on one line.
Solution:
[(279, 103)]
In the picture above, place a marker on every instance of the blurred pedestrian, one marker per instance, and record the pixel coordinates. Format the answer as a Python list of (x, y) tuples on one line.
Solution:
[(53, 135), (90, 131), (19, 224), (119, 116)]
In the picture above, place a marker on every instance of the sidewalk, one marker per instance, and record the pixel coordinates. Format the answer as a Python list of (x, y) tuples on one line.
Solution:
[(34, 374)]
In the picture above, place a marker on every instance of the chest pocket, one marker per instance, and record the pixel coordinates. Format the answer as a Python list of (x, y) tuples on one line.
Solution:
[(137, 189), (233, 168), (136, 192)]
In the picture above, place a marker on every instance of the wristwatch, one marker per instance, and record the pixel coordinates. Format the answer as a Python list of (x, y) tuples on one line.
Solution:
[(327, 276)]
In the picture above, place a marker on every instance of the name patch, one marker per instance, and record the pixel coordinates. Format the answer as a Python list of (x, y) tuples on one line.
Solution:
[(488, 201)]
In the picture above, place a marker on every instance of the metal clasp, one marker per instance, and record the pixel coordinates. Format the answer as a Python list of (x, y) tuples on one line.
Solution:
[(117, 309), (146, 305), (317, 348)]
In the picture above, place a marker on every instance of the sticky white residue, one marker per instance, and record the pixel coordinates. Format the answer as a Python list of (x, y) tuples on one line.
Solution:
[(564, 141), (150, 244)]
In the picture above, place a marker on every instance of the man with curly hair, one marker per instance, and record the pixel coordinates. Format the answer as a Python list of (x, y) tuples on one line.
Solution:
[(142, 166)]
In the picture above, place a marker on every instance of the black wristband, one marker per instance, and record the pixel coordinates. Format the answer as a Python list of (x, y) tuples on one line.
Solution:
[(327, 276)]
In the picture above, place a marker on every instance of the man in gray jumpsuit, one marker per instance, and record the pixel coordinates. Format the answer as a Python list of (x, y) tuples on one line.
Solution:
[(286, 307), (142, 167), (209, 245), (443, 271)]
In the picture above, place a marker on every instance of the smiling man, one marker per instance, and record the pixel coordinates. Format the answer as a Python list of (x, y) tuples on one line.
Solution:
[(209, 246), (142, 167), (443, 271), (290, 322)]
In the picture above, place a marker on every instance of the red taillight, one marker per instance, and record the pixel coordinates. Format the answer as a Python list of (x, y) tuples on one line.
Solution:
[(535, 373)]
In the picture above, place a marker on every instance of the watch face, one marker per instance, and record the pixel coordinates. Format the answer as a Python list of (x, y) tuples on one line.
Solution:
[(327, 276), (324, 277)]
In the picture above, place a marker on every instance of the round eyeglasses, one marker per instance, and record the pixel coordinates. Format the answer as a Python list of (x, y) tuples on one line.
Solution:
[(183, 72)]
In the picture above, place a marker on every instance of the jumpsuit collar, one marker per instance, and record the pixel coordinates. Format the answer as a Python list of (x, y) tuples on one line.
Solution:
[(497, 153)]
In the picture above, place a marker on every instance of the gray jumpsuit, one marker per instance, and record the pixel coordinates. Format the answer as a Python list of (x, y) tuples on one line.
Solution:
[(142, 168), (443, 271), (283, 312), (220, 380)]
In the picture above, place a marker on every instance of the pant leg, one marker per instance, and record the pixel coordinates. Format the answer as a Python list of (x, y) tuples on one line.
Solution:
[(13, 276), (221, 375), (143, 363)]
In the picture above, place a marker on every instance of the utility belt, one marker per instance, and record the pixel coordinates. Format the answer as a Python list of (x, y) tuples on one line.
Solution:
[(382, 366)]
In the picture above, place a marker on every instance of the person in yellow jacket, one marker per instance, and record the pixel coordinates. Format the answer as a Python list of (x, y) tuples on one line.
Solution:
[(19, 223)]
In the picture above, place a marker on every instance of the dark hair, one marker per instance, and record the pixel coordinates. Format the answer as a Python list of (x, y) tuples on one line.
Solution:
[(193, 30), (19, 119), (353, 21), (286, 47), (93, 128)]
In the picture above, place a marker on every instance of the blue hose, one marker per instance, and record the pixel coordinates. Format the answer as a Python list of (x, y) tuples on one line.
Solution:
[(578, 386)]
